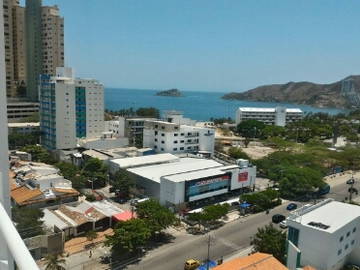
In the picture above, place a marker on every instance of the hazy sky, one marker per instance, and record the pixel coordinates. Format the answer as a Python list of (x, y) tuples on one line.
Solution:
[(224, 45)]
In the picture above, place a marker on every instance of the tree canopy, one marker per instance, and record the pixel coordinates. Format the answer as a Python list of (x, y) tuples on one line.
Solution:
[(38, 153), (28, 221), (122, 182), (156, 216), (237, 153), (129, 235), (250, 128), (95, 170), (270, 240)]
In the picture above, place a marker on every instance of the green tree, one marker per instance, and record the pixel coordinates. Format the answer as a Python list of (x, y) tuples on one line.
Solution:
[(17, 140), (28, 221), (54, 262), (123, 182), (270, 240), (38, 153), (129, 235), (237, 153), (148, 112), (250, 128), (95, 170), (72, 173), (262, 200), (214, 212), (157, 217)]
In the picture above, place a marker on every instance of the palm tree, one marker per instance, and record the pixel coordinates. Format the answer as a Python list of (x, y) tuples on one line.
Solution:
[(54, 262)]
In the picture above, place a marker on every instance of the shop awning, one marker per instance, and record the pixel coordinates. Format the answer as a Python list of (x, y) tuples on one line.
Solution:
[(124, 216)]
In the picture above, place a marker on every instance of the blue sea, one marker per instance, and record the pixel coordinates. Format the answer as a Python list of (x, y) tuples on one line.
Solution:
[(197, 105)]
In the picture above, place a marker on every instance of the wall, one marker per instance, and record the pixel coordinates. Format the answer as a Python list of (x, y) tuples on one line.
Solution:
[(171, 192), (250, 180)]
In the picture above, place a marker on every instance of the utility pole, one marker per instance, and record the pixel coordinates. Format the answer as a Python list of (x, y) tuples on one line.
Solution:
[(208, 253)]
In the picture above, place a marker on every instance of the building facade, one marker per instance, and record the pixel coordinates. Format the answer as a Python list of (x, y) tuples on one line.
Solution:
[(69, 109), (19, 110), (278, 116), (166, 137), (325, 235)]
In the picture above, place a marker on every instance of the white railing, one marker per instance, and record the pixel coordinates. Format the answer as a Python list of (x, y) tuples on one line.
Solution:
[(15, 244)]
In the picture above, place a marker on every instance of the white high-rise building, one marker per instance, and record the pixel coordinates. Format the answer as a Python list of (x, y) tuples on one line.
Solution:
[(69, 109), (278, 116)]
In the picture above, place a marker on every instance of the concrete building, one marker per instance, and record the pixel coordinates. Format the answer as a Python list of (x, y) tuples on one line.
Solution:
[(166, 137), (18, 111), (175, 180), (70, 109), (24, 128), (44, 43), (278, 116), (39, 185), (325, 235)]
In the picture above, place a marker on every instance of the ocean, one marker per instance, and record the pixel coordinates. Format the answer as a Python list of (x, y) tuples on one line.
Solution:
[(196, 105)]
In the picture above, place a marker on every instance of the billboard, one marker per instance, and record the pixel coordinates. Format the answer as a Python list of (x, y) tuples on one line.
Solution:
[(243, 177), (212, 180)]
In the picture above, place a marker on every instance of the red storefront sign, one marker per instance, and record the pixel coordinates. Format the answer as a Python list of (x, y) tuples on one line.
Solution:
[(243, 177)]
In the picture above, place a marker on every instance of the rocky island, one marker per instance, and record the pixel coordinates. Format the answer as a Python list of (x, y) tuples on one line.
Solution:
[(343, 94), (170, 93)]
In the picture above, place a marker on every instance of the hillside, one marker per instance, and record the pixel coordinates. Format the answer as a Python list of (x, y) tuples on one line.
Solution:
[(170, 93), (344, 94)]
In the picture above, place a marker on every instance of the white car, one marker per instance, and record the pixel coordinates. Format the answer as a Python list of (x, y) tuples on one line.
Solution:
[(283, 224)]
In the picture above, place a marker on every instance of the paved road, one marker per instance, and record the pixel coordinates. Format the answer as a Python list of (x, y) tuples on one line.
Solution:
[(230, 238)]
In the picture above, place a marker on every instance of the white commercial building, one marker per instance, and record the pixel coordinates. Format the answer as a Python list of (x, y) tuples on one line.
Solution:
[(24, 128), (278, 116), (325, 235), (190, 179), (69, 109)]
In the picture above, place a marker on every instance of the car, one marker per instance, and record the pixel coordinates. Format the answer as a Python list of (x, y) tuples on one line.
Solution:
[(235, 203), (351, 181), (277, 218), (191, 264), (283, 224), (291, 206), (353, 190)]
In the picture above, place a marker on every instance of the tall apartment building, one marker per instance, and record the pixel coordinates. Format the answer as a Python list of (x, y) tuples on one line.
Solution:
[(325, 235), (278, 116), (69, 109), (44, 43)]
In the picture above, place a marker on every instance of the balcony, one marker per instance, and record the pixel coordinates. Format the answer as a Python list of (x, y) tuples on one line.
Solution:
[(17, 248)]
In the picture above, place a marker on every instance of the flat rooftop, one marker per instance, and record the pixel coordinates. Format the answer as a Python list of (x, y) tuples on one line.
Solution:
[(329, 213), (144, 160), (254, 109), (183, 165), (180, 177)]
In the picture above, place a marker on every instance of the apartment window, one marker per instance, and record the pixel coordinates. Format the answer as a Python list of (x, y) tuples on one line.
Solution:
[(155, 147), (162, 127), (181, 148), (156, 133), (352, 242), (354, 230), (162, 149), (175, 134), (163, 134), (341, 238), (174, 149), (182, 141), (339, 252), (182, 134), (162, 142), (155, 140), (156, 126), (346, 246), (176, 128), (347, 234), (175, 141)]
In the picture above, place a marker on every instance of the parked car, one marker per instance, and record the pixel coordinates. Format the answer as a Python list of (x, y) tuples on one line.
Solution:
[(291, 206), (351, 181), (353, 190), (283, 224), (277, 218), (191, 264)]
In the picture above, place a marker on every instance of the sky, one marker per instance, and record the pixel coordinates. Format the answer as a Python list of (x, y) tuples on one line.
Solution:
[(211, 45)]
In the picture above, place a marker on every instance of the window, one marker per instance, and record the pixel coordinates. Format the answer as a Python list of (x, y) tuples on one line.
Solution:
[(347, 234), (156, 126), (155, 146), (176, 128), (182, 134), (339, 252), (162, 149), (346, 246), (156, 133), (162, 127), (162, 134), (182, 141), (341, 238), (354, 230), (162, 142), (181, 148), (175, 134), (175, 141), (156, 140), (175, 149), (352, 242)]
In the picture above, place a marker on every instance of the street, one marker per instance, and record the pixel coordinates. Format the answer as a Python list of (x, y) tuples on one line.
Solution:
[(226, 240)]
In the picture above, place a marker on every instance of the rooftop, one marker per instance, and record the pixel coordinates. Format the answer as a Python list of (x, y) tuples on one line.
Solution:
[(144, 160), (183, 165), (254, 261), (327, 216), (180, 177)]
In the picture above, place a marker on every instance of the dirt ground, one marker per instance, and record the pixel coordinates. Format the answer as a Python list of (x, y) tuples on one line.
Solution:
[(257, 152)]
